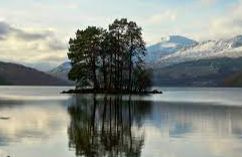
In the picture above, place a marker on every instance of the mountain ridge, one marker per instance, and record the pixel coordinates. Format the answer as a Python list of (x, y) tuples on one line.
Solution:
[(17, 74), (210, 49), (167, 45), (207, 63), (201, 73), (61, 71)]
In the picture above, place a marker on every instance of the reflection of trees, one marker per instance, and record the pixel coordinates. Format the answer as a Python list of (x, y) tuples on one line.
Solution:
[(107, 127)]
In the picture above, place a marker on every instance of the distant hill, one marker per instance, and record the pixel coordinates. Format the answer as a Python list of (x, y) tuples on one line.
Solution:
[(205, 72), (16, 74), (234, 80), (167, 46), (61, 71), (210, 49), (180, 61)]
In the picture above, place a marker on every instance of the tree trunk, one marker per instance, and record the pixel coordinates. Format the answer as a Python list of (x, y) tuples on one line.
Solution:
[(130, 66), (104, 113), (110, 72), (130, 71), (104, 74), (96, 86), (94, 113)]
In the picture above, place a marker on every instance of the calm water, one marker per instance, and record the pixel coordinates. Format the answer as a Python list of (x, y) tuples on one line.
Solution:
[(182, 122)]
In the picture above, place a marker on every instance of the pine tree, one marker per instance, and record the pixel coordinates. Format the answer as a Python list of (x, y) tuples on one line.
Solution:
[(109, 60)]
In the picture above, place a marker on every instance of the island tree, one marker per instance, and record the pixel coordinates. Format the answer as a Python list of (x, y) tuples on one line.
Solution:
[(109, 60)]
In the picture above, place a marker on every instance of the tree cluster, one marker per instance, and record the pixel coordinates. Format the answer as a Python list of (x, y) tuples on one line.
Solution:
[(109, 60)]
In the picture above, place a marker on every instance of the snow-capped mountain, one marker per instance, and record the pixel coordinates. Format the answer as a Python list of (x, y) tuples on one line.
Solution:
[(211, 49), (167, 45), (61, 71), (179, 61)]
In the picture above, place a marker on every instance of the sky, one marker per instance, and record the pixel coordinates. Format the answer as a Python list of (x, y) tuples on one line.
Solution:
[(36, 32)]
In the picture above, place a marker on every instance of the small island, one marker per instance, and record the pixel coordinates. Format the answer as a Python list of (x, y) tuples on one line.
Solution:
[(109, 60)]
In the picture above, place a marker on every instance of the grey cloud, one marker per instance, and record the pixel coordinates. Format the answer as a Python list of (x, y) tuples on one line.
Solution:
[(44, 49), (53, 43), (31, 36), (6, 30), (57, 45), (1, 37), (237, 22)]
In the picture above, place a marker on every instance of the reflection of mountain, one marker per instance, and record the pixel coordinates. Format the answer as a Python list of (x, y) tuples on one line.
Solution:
[(186, 119), (110, 127), (115, 126), (145, 126)]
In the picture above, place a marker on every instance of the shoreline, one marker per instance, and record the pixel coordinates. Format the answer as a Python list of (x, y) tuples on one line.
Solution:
[(91, 91)]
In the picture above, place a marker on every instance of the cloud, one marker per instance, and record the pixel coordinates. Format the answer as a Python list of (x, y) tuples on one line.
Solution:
[(166, 16), (7, 30), (29, 47), (4, 30), (57, 45), (202, 19), (227, 25), (208, 2), (31, 36)]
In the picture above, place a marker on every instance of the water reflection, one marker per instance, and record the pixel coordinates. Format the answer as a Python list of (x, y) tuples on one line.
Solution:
[(29, 127), (184, 120), (118, 126), (111, 127), (90, 125)]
